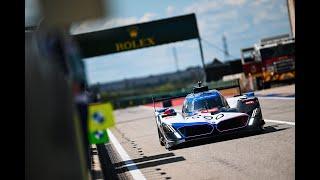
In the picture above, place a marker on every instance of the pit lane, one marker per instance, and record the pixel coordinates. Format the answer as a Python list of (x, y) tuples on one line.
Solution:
[(246, 156)]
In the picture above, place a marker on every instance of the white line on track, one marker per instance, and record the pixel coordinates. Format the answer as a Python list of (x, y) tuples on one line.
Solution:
[(134, 171), (280, 122), (280, 98), (146, 107)]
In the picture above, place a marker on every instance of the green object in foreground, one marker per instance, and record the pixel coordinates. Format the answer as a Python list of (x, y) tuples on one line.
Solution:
[(100, 116), (98, 137)]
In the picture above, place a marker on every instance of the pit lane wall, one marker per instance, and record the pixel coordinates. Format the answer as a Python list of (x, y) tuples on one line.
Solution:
[(227, 88)]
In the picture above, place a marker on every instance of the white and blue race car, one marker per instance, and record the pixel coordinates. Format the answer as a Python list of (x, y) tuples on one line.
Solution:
[(207, 113)]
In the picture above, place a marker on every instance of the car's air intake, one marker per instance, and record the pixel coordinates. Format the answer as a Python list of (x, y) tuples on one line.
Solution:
[(196, 130), (231, 124)]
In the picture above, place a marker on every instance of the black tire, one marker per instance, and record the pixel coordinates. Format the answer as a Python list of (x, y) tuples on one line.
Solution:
[(160, 137), (260, 127), (167, 146)]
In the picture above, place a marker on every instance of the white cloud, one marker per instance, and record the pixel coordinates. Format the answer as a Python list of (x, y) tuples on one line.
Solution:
[(265, 15), (262, 15), (211, 24), (115, 22), (280, 25), (86, 26), (226, 15), (207, 6), (258, 2), (170, 10), (283, 9), (240, 29), (147, 17), (235, 2), (202, 7), (203, 26), (89, 26), (267, 4)]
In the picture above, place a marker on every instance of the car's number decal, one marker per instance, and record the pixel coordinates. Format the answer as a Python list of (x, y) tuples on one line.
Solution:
[(219, 116)]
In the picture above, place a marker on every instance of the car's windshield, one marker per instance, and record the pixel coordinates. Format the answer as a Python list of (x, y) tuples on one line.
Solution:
[(188, 106), (207, 103)]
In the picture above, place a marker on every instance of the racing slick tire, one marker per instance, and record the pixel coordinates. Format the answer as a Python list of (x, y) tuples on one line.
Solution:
[(260, 127), (160, 138), (167, 146)]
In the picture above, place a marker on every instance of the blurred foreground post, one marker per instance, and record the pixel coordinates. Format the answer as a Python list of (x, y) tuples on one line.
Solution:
[(54, 138), (55, 130)]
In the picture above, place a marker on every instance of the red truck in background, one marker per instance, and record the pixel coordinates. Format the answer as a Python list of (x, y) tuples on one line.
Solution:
[(270, 62)]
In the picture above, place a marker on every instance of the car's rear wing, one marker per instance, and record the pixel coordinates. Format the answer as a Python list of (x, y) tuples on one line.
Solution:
[(230, 88), (167, 98), (234, 90), (166, 101)]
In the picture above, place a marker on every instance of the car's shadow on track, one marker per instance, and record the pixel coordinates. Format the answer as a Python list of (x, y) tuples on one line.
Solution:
[(268, 129)]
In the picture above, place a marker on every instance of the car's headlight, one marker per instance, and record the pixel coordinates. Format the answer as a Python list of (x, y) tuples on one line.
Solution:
[(170, 129), (253, 115)]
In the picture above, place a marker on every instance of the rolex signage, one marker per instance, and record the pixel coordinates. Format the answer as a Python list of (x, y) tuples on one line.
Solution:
[(138, 36), (134, 42)]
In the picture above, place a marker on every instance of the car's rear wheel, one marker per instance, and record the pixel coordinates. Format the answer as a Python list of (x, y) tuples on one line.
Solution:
[(160, 138)]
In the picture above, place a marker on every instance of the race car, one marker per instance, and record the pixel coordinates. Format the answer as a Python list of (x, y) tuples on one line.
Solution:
[(207, 113)]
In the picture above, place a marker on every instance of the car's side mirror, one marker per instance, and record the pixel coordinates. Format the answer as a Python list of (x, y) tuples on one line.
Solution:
[(183, 112)]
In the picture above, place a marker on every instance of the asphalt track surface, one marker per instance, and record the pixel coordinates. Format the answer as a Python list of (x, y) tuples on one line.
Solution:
[(270, 155)]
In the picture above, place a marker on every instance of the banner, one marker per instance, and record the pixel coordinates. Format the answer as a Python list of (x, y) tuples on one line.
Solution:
[(98, 137), (138, 36), (100, 117)]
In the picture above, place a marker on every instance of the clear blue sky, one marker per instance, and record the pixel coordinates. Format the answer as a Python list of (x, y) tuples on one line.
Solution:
[(243, 22)]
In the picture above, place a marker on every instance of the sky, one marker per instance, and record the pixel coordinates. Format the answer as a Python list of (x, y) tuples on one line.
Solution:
[(242, 22)]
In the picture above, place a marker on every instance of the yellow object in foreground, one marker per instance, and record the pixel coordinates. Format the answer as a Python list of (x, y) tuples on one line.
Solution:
[(100, 116)]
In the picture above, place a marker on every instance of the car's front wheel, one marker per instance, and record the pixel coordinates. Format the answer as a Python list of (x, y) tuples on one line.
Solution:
[(160, 138), (167, 146)]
